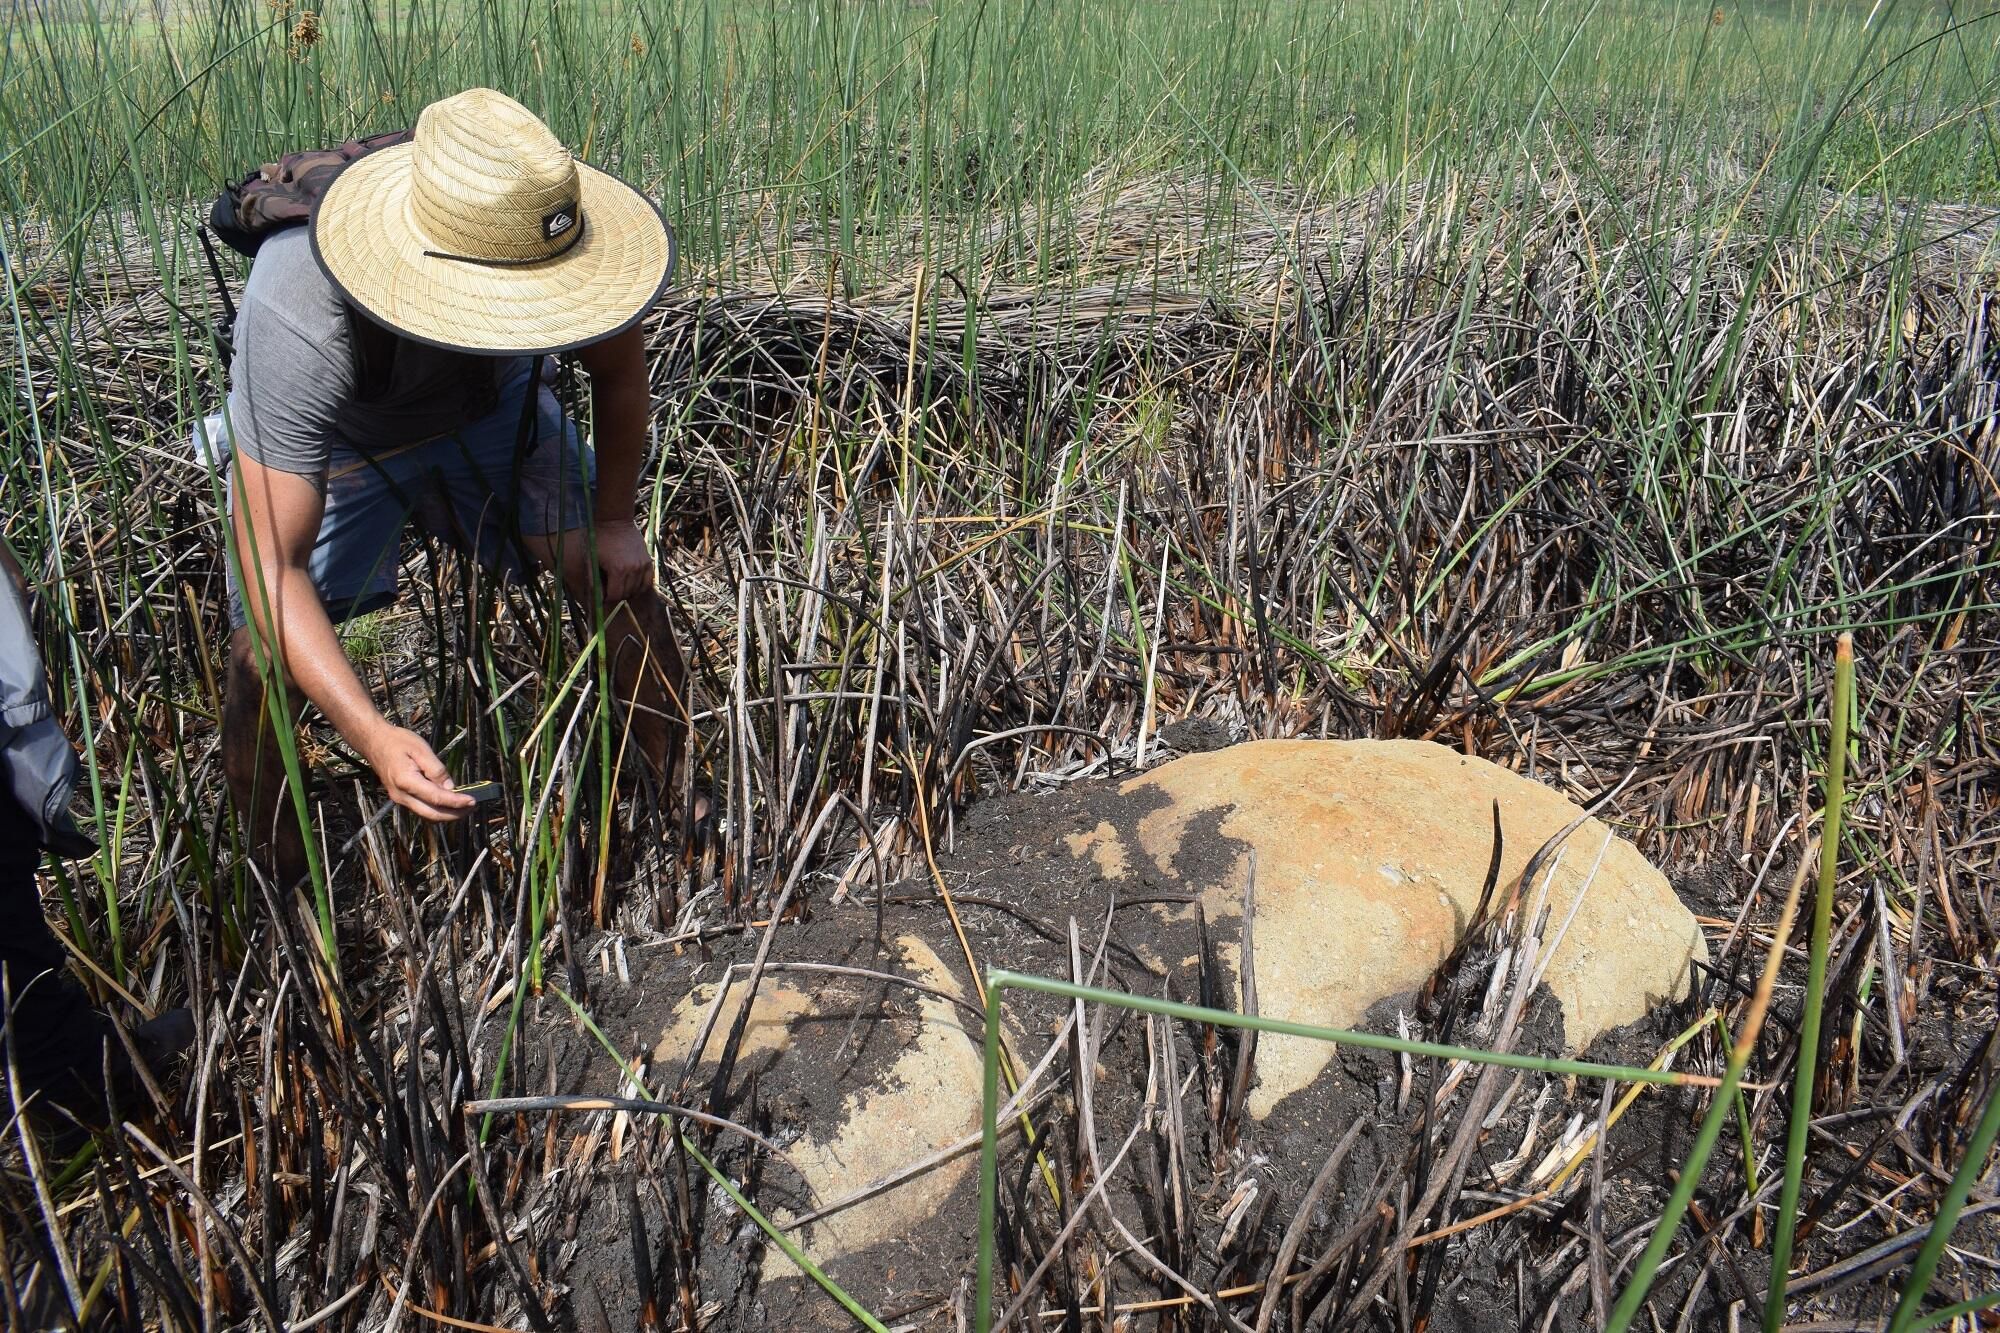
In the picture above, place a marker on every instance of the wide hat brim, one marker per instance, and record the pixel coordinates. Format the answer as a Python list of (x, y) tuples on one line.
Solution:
[(603, 284)]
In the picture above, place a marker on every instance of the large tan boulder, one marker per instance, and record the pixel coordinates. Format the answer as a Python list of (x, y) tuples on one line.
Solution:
[(1370, 860)]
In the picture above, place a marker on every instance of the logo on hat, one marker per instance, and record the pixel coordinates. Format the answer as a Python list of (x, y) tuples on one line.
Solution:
[(558, 222)]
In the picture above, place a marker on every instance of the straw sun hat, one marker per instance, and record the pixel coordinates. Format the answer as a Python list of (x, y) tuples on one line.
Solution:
[(483, 234)]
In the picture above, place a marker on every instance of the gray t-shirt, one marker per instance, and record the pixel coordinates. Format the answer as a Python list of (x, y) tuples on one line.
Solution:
[(297, 388)]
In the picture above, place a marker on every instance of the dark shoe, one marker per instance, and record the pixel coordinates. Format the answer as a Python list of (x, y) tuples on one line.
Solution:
[(162, 1043), (73, 1097)]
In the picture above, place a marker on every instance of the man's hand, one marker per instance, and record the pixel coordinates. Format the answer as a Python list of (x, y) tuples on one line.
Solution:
[(413, 775), (625, 560)]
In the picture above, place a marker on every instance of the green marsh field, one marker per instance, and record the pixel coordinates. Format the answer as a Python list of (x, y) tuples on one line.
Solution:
[(1556, 381)]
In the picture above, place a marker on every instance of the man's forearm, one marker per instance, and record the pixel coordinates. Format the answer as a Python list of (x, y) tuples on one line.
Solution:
[(621, 402), (312, 656), (621, 449)]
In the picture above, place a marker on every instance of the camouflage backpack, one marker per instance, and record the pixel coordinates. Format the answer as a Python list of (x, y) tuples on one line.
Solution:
[(279, 195), (282, 194)]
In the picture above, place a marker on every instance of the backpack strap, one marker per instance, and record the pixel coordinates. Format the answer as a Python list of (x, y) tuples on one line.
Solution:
[(218, 333), (275, 196)]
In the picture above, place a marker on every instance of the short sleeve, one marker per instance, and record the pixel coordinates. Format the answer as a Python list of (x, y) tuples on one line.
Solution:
[(293, 370)]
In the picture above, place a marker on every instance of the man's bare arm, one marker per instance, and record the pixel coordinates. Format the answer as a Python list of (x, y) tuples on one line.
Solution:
[(621, 404), (276, 523)]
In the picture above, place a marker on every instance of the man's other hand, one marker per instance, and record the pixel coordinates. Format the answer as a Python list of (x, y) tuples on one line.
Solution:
[(413, 775), (625, 559)]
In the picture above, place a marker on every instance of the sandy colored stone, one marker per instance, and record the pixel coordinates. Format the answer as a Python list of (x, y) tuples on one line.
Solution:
[(932, 1099), (1370, 859), (1105, 847), (928, 1098), (769, 1030)]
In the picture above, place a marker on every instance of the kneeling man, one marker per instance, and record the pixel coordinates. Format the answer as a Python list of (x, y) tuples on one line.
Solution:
[(389, 368)]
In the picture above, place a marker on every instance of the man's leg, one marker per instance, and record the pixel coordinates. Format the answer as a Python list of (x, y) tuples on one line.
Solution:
[(58, 1043), (648, 671), (651, 678), (254, 765), (543, 494)]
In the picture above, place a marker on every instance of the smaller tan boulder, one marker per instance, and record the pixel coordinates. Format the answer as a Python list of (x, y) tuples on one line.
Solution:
[(927, 1097), (1370, 860)]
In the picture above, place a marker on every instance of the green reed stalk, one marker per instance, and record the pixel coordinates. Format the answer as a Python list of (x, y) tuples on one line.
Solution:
[(1822, 926), (1648, 1265), (1742, 1123), (799, 1257), (784, 1242), (1958, 1309), (1643, 1272)]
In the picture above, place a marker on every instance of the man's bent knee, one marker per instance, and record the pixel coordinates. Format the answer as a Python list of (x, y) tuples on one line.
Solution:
[(253, 765), (246, 658), (245, 707), (567, 554)]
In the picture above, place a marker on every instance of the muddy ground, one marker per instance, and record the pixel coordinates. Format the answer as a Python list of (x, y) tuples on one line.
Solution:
[(1019, 891)]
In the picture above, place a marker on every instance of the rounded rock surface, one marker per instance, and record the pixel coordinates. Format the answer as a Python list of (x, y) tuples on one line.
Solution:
[(1370, 860)]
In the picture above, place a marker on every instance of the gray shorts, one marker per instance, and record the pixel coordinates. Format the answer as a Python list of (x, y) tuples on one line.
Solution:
[(477, 488)]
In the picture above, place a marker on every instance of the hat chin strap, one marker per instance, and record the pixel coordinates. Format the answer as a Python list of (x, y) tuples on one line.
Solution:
[(576, 235)]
